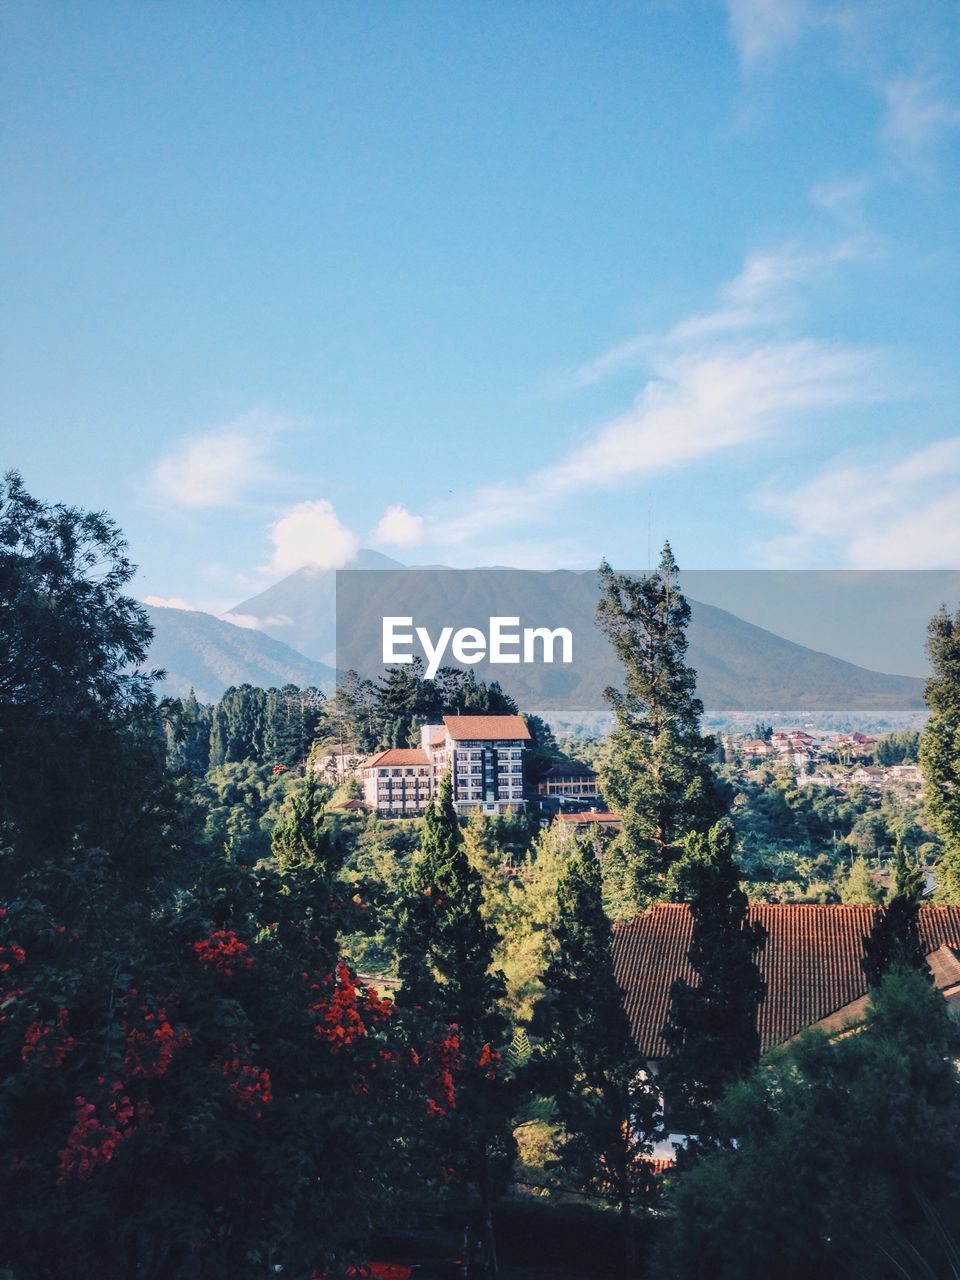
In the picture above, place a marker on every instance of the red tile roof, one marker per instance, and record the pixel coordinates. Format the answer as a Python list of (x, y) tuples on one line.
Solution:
[(467, 728), (811, 962), (589, 818), (397, 755)]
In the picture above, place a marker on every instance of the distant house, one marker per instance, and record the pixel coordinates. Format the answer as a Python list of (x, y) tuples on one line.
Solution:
[(905, 774), (818, 780), (869, 775), (758, 747), (810, 962), (483, 754), (570, 779)]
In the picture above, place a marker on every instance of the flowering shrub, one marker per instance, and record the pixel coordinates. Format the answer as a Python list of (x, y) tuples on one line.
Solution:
[(443, 1060), (150, 1039), (223, 952), (47, 1044), (92, 1140), (249, 1086), (345, 1010)]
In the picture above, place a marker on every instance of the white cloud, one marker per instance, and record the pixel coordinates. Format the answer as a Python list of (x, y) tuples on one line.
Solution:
[(900, 514), (917, 113), (215, 468), (169, 602), (762, 28), (398, 528), (250, 621), (718, 381), (310, 533)]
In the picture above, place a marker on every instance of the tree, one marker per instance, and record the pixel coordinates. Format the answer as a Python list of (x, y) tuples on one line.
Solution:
[(187, 727), (894, 941), (191, 1082), (831, 1151), (300, 838), (236, 731), (452, 996), (711, 1032), (940, 748), (858, 885), (291, 719), (81, 741), (659, 777), (605, 1102)]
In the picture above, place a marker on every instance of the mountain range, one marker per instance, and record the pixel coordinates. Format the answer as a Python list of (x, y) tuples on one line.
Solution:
[(290, 637), (203, 653)]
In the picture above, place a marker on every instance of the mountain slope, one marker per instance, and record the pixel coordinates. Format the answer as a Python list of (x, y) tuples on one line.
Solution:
[(300, 610), (740, 666), (201, 652)]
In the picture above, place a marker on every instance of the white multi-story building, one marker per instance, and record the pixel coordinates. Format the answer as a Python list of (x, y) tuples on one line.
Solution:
[(398, 783), (484, 756)]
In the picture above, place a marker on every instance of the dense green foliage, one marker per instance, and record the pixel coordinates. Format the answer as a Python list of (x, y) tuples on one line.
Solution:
[(192, 1083), (606, 1106), (452, 996), (940, 747), (838, 1147), (894, 941), (711, 1031), (658, 776)]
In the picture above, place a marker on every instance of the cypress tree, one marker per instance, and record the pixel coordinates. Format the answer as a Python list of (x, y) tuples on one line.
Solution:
[(940, 748), (894, 940), (605, 1102), (711, 1032), (658, 777), (301, 839), (451, 994)]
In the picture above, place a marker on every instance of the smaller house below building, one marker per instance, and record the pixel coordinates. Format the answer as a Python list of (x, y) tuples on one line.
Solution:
[(569, 779), (571, 823)]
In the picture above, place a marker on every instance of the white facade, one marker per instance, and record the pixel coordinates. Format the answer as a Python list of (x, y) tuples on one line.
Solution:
[(484, 756)]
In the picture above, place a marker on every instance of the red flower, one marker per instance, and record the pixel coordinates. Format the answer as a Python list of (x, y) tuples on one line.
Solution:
[(249, 1086), (346, 1010), (48, 1043), (224, 952)]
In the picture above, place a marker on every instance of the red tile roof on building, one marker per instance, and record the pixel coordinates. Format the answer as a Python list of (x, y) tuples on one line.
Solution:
[(810, 961), (486, 728), (589, 818), (397, 755)]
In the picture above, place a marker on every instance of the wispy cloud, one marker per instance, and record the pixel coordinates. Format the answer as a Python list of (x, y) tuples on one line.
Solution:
[(918, 113), (899, 514), (718, 381), (310, 533), (761, 29), (247, 621), (170, 602), (397, 527), (217, 467), (251, 622)]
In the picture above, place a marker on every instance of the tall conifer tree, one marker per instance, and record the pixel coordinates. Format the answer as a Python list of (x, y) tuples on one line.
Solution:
[(894, 940), (451, 994), (940, 748), (711, 1031), (658, 777), (605, 1102)]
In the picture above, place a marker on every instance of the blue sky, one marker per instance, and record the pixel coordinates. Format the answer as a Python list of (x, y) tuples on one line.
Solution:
[(512, 283)]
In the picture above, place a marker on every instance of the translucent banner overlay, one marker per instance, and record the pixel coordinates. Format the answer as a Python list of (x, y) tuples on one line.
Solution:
[(828, 648)]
